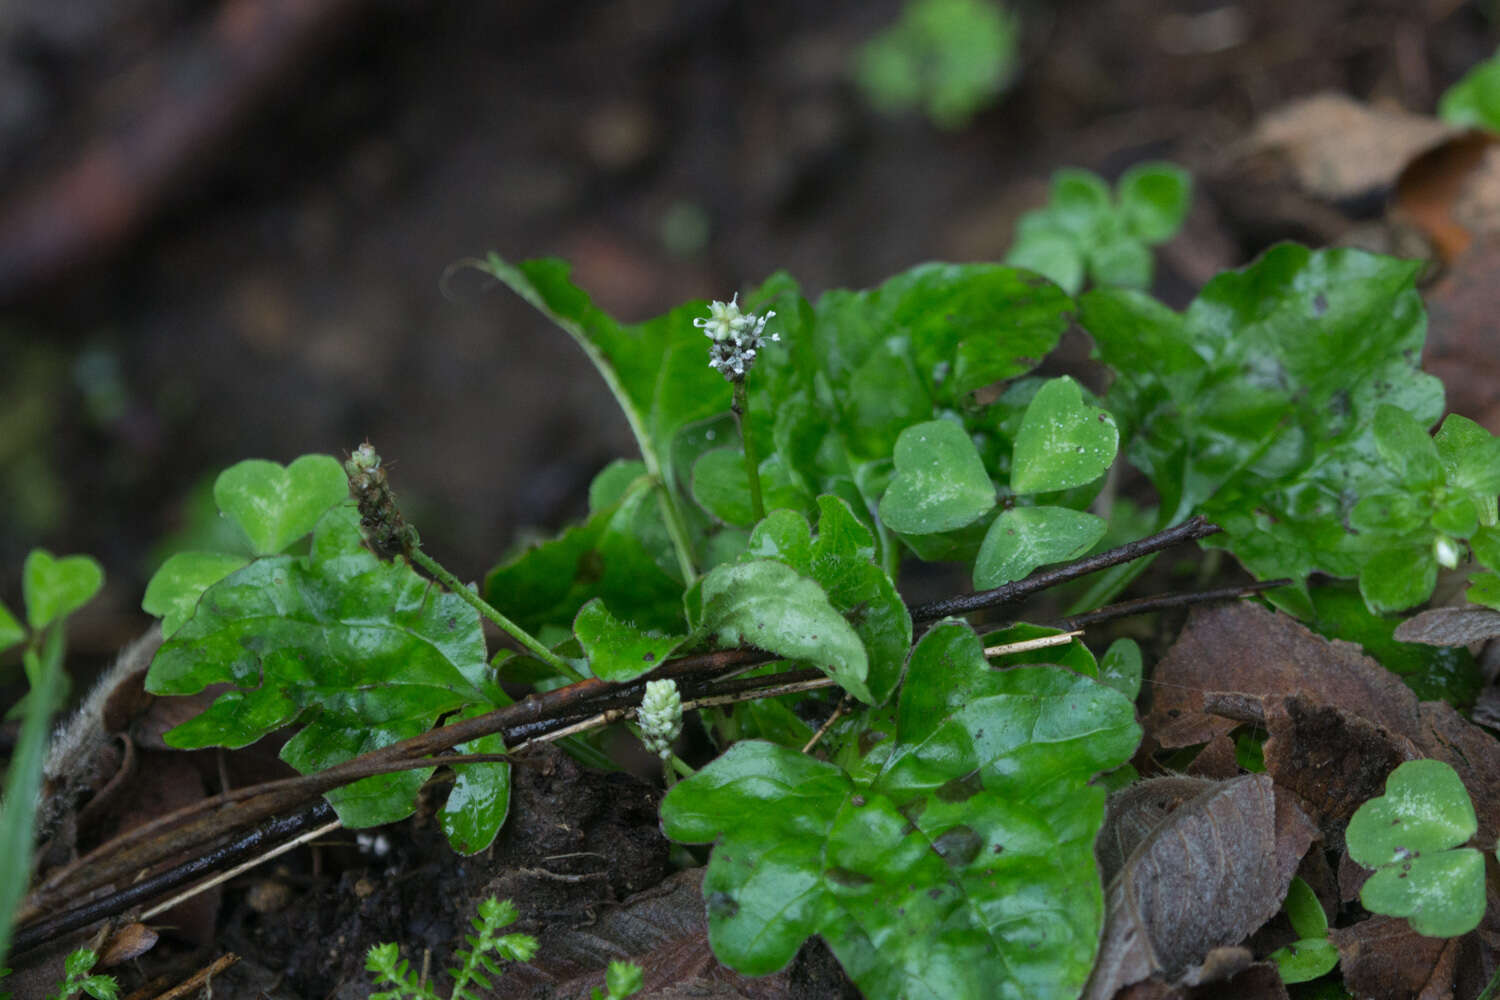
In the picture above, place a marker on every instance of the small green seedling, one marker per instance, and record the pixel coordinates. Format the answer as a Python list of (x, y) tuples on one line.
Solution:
[(51, 589), (76, 969), (1411, 836), (621, 979), (951, 58), (1313, 955), (1084, 232), (1474, 101), (485, 945)]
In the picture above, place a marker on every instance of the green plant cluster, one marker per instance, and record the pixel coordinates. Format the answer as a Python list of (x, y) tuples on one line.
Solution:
[(776, 497), (1085, 233), (950, 58), (900, 422)]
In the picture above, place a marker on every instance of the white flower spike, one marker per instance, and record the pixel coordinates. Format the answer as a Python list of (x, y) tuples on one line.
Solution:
[(660, 716), (737, 337)]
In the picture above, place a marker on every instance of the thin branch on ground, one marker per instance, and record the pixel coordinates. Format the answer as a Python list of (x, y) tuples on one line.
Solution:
[(1189, 530)]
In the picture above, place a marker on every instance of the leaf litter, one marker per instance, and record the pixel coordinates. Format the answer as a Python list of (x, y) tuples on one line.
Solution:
[(1196, 866)]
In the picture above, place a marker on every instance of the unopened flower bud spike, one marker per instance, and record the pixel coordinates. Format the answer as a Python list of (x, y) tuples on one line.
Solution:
[(738, 337), (659, 719), (388, 535)]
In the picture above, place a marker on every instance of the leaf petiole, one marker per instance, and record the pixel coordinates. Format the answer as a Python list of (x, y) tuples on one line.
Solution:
[(741, 410), (484, 607)]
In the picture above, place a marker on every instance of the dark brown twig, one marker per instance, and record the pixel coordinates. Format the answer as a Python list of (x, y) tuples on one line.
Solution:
[(1163, 602), (307, 788), (1010, 593), (246, 845)]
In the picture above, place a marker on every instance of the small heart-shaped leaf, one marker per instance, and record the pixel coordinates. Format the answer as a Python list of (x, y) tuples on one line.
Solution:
[(1441, 895), (1063, 441), (1425, 808), (1023, 538), (172, 595), (1408, 836), (53, 588), (940, 482), (275, 505)]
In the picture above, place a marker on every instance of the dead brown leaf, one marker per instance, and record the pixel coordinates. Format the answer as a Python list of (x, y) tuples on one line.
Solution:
[(1383, 957), (1451, 626), (1448, 193), (1330, 757), (1338, 148), (1244, 648), (1463, 343), (1205, 878), (1473, 753)]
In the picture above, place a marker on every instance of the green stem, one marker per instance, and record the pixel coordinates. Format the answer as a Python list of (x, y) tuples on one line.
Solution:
[(676, 529), (741, 410), (485, 608)]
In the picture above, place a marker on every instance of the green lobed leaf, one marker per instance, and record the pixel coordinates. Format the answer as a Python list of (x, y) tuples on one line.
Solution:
[(1484, 588), (327, 740), (1256, 407), (1121, 667), (722, 488), (173, 592), (11, 631), (767, 604), (940, 482), (961, 326), (1063, 441), (603, 557), (54, 588), (979, 819), (1122, 261), (1048, 250), (479, 800), (859, 589), (1402, 441), (618, 651), (1408, 836), (1079, 200), (1394, 579), (368, 652), (1154, 199), (1023, 538), (274, 505), (1474, 101), (1486, 546), (841, 562), (1471, 462)]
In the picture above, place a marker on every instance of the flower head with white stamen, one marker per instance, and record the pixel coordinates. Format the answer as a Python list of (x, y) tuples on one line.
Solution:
[(737, 337)]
